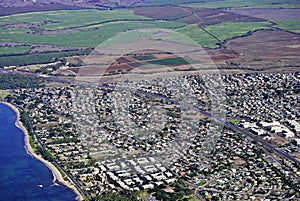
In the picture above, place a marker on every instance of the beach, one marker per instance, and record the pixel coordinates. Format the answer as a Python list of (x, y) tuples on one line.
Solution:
[(57, 175)]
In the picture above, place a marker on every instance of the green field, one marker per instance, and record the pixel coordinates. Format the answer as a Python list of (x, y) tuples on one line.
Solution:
[(88, 37), (229, 30), (236, 3), (35, 58), (70, 18), (3, 94), (278, 6), (165, 62), (14, 50), (166, 2), (145, 57), (290, 25), (199, 36)]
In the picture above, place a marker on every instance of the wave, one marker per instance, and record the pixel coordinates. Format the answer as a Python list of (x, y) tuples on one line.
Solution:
[(27, 151), (55, 184)]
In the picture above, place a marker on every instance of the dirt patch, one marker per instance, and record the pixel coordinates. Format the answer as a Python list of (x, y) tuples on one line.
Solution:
[(270, 14), (267, 49), (51, 48), (220, 57)]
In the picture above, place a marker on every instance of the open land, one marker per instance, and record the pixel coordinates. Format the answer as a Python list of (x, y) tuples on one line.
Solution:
[(268, 49)]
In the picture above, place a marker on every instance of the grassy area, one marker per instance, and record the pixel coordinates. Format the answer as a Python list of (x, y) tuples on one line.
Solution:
[(145, 57), (290, 25), (89, 37), (70, 18), (14, 50), (201, 183), (234, 3), (165, 62), (35, 58), (3, 94), (229, 30), (278, 6), (167, 2), (194, 33), (235, 122)]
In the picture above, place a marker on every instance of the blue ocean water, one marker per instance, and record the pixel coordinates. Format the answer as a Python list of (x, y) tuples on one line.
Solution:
[(23, 177)]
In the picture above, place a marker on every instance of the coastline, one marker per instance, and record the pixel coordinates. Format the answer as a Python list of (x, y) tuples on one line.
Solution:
[(57, 175)]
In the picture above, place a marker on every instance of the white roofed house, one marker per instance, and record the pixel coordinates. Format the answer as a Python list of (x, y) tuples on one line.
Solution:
[(294, 125)]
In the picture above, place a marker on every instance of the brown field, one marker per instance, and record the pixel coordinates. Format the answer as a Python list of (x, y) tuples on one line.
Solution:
[(267, 49), (35, 8), (205, 17), (220, 57), (202, 17), (270, 14), (162, 12)]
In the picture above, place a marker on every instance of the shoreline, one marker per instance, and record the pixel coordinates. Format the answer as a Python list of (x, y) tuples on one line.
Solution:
[(56, 174)]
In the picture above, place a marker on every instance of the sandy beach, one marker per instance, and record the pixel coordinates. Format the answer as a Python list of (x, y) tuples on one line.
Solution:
[(57, 175)]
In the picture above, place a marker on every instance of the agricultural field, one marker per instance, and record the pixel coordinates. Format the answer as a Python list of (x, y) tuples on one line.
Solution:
[(90, 36), (63, 19), (290, 25), (229, 30), (262, 49), (198, 35), (46, 36), (242, 4), (14, 50), (36, 58), (270, 14), (162, 12)]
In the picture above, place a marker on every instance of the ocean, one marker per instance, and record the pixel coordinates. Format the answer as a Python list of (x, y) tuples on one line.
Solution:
[(23, 177)]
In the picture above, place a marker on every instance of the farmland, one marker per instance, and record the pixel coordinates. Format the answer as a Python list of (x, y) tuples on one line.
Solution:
[(14, 50), (35, 58), (270, 14), (41, 37), (54, 20), (260, 51), (290, 25), (229, 30), (240, 4), (198, 35)]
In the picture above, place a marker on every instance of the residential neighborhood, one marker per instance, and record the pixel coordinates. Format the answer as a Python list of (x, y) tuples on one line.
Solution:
[(140, 136)]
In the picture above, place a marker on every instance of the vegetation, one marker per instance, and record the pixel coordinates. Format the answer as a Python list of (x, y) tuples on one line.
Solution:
[(90, 36), (26, 122), (3, 94), (198, 35), (144, 57), (290, 25), (15, 81), (233, 3), (181, 192), (14, 50), (233, 121), (122, 196), (62, 19), (37, 58), (230, 30), (165, 62), (166, 2)]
